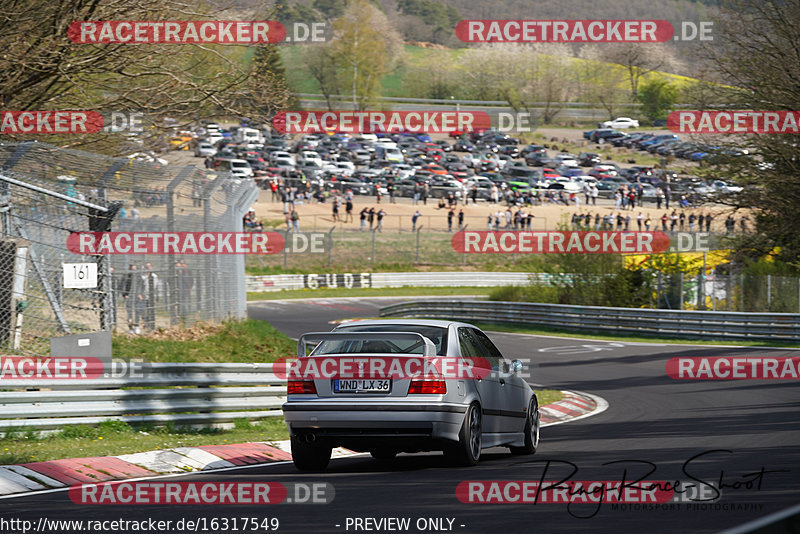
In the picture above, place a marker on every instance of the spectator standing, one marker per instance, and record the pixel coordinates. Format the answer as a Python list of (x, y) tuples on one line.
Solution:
[(414, 219), (460, 219), (348, 207), (130, 289), (450, 214), (380, 214), (363, 216)]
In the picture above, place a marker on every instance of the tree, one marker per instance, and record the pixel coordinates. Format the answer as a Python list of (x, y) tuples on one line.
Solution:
[(657, 97), (639, 60), (598, 81), (320, 62), (364, 48), (269, 91), (44, 70), (332, 9), (757, 57), (433, 77)]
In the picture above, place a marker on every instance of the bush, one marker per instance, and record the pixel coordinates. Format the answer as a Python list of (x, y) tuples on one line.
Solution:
[(583, 280)]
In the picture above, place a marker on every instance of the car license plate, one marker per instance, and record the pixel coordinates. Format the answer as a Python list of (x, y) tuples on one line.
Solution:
[(359, 385)]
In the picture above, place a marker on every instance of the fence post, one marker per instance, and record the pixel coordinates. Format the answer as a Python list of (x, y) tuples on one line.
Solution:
[(285, 250), (741, 291), (416, 258), (464, 254), (681, 290), (330, 245), (373, 245), (769, 292)]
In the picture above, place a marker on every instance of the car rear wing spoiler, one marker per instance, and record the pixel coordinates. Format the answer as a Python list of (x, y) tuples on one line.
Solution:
[(318, 337)]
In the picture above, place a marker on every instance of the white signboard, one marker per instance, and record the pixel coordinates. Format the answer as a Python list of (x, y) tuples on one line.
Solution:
[(80, 275)]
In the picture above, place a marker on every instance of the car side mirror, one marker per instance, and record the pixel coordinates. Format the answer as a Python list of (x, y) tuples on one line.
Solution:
[(516, 366)]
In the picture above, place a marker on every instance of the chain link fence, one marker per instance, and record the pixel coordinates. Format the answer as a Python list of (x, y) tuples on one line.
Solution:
[(728, 292), (47, 192)]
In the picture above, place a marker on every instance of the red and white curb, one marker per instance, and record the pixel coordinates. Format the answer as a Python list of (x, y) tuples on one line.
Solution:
[(575, 405), (54, 474)]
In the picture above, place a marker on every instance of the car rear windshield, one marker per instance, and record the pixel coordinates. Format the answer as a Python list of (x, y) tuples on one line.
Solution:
[(438, 335)]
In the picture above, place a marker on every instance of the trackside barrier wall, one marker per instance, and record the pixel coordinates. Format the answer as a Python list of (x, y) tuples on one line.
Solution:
[(180, 393), (381, 280), (693, 324)]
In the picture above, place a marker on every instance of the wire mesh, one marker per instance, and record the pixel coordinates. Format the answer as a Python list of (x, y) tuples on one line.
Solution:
[(48, 192)]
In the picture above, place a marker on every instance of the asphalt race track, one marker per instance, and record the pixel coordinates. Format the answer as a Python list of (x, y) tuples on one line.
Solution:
[(742, 427)]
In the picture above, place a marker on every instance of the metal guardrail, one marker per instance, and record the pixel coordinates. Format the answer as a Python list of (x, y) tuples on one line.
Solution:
[(381, 280), (184, 393), (689, 324)]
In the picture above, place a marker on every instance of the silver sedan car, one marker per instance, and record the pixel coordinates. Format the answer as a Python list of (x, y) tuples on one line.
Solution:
[(458, 415)]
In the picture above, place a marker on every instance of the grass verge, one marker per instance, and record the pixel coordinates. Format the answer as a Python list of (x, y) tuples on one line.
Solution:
[(369, 292), (232, 341), (111, 438), (554, 332)]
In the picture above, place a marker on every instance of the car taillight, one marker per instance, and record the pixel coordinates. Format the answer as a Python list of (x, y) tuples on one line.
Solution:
[(295, 387), (427, 387)]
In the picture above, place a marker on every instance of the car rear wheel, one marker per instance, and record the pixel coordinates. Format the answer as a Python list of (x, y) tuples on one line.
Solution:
[(310, 456), (532, 425), (468, 449)]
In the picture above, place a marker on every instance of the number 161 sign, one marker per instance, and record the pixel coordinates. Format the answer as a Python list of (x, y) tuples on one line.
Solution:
[(80, 275)]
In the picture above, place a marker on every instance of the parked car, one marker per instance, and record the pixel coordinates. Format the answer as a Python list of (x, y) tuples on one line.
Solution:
[(589, 159), (204, 149), (620, 122)]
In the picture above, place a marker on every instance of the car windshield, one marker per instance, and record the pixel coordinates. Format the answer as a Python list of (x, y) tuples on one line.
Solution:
[(438, 335)]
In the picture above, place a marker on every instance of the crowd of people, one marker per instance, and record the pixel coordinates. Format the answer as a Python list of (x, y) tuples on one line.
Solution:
[(150, 197), (517, 215)]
